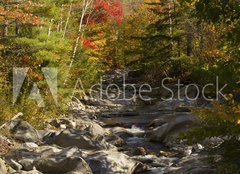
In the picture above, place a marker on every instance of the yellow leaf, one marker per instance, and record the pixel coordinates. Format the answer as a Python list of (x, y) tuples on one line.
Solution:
[(238, 122)]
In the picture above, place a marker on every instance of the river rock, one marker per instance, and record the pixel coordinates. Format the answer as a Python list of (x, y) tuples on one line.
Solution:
[(15, 165), (213, 142), (154, 170), (172, 127), (60, 123), (3, 168), (115, 140), (20, 158), (49, 159), (198, 148), (194, 164), (62, 165), (92, 127), (155, 161), (23, 158), (140, 151), (30, 145), (23, 131), (78, 138), (112, 162)]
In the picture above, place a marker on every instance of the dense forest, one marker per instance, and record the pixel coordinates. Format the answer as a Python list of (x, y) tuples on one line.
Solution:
[(197, 41)]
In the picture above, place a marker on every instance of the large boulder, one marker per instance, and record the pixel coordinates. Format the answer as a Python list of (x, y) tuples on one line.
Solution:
[(171, 126), (92, 127), (48, 159), (70, 165), (21, 159), (78, 138), (194, 164), (112, 162), (23, 131), (62, 164)]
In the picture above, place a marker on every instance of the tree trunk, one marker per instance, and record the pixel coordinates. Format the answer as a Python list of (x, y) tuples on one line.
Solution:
[(201, 44), (67, 21), (50, 28), (85, 6), (5, 30), (60, 22), (170, 19), (189, 44), (189, 39), (17, 27)]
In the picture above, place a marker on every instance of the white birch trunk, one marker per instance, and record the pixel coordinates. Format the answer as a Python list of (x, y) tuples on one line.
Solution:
[(86, 5), (67, 21), (50, 28)]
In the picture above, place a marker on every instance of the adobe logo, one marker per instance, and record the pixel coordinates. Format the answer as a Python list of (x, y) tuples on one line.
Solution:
[(19, 76)]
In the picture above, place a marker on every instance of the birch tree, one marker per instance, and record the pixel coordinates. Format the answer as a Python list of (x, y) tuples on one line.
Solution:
[(86, 6)]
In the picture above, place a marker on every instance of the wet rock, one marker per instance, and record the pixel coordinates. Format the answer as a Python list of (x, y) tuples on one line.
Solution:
[(79, 123), (187, 151), (155, 171), (3, 168), (48, 150), (29, 145), (121, 132), (27, 164), (15, 165), (49, 159), (55, 164), (23, 158), (14, 159), (173, 126), (140, 151), (155, 161), (194, 164), (197, 148), (167, 154), (112, 162), (78, 138), (115, 140), (163, 105), (93, 128), (183, 150), (23, 131), (158, 134), (213, 142)]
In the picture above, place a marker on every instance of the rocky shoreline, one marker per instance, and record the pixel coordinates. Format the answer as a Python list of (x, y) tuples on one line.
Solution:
[(108, 137)]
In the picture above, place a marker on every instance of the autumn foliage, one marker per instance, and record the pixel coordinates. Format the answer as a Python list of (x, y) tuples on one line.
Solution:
[(107, 8), (89, 43), (22, 11)]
